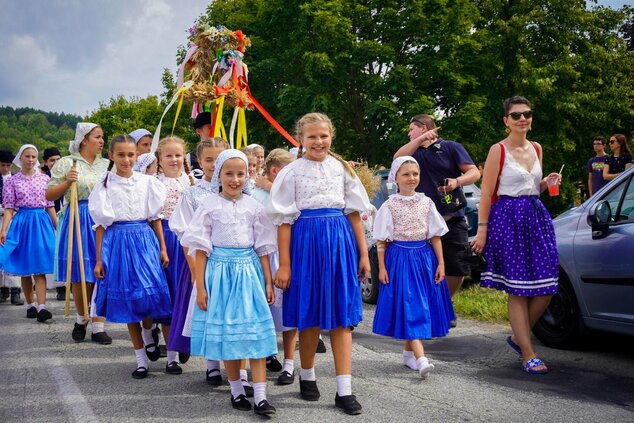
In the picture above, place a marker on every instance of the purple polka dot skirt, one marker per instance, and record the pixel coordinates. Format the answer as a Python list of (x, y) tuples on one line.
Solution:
[(521, 252)]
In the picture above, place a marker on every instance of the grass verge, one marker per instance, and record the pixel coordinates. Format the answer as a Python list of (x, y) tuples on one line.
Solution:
[(487, 305)]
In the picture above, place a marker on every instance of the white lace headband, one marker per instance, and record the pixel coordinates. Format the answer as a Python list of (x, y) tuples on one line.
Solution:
[(396, 165), (220, 160)]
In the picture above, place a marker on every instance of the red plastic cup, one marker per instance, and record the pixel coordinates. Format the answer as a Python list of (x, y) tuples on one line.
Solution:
[(553, 186)]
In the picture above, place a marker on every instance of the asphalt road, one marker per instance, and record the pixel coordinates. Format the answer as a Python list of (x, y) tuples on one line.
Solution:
[(46, 377)]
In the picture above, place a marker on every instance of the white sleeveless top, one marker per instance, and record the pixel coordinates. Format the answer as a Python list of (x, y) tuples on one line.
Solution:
[(515, 180)]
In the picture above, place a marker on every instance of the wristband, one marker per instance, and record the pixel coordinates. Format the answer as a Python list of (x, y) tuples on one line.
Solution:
[(483, 223)]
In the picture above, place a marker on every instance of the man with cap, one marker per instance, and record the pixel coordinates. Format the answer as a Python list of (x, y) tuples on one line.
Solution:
[(9, 286), (143, 139), (202, 126)]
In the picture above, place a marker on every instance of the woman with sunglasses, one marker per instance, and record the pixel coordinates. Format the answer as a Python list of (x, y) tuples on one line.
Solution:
[(619, 160), (516, 233)]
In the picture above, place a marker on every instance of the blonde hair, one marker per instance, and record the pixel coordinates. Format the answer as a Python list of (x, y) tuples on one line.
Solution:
[(172, 140), (215, 142), (314, 118), (277, 158), (368, 179)]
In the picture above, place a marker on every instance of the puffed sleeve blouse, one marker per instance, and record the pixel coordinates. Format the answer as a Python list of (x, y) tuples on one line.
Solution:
[(139, 197), (408, 218), (90, 174), (234, 224), (187, 206), (307, 184), (21, 191)]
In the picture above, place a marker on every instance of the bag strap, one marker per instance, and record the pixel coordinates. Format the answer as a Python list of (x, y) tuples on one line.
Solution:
[(495, 196)]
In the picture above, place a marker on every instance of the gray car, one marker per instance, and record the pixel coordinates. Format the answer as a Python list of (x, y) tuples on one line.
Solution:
[(595, 242)]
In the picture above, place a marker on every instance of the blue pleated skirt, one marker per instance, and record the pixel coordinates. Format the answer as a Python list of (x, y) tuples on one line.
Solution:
[(173, 272), (324, 290), (134, 287), (30, 245), (88, 246), (521, 251), (412, 305), (238, 322)]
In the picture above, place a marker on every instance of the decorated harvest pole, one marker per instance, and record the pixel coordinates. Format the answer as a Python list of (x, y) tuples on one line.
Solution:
[(213, 75)]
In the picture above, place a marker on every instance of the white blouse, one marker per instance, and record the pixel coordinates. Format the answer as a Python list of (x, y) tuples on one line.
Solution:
[(515, 180), (175, 187), (187, 205), (408, 218), (307, 184), (139, 197), (219, 222)]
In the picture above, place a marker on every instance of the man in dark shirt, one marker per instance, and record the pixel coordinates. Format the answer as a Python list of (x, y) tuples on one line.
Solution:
[(596, 164), (447, 162)]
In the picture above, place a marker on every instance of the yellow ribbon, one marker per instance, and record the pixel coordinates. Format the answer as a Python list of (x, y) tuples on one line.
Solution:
[(219, 130), (242, 129), (181, 93)]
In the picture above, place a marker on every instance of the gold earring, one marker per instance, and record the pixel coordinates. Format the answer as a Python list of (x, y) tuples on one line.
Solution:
[(508, 130)]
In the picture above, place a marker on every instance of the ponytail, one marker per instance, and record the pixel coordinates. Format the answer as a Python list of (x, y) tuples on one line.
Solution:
[(188, 172), (105, 180)]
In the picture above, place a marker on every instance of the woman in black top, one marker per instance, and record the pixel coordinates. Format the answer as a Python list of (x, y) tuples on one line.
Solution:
[(620, 159)]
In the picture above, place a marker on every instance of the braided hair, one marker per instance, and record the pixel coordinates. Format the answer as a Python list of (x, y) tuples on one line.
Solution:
[(115, 140)]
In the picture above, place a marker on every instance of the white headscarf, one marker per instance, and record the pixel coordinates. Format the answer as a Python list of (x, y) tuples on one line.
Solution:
[(83, 128), (137, 134), (144, 161), (396, 165), (252, 146), (220, 160), (18, 162)]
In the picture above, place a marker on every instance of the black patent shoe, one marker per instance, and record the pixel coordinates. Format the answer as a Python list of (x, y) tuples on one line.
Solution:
[(152, 355), (286, 378), (173, 368), (264, 408), (308, 390), (321, 347), (31, 313), (183, 357), (248, 389), (43, 315), (214, 378), (79, 332), (101, 338), (140, 373), (241, 403), (348, 403), (15, 297), (273, 364)]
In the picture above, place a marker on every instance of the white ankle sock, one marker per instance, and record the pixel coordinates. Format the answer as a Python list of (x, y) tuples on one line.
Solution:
[(259, 392), (236, 388), (146, 334), (344, 385), (244, 375), (41, 307), (28, 306), (213, 365), (307, 374), (98, 327), (141, 358), (79, 319), (161, 339), (289, 366), (172, 356), (424, 367), (409, 360)]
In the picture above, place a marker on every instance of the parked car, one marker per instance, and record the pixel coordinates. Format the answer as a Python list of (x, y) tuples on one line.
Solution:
[(370, 287), (595, 242)]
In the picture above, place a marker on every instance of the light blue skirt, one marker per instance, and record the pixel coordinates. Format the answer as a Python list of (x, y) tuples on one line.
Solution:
[(88, 243), (134, 287), (238, 322), (30, 245), (412, 305), (324, 290)]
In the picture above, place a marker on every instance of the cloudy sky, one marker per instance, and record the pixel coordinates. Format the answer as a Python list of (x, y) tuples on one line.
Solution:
[(69, 55)]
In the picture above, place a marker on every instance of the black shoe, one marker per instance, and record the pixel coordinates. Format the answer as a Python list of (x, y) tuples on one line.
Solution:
[(286, 378), (140, 373), (241, 403), (348, 403), (183, 357), (162, 350), (31, 313), (321, 347), (273, 364), (79, 332), (173, 368), (264, 408), (248, 389), (152, 355), (453, 323), (61, 293), (43, 315), (15, 297), (216, 379), (308, 390), (101, 338), (4, 294)]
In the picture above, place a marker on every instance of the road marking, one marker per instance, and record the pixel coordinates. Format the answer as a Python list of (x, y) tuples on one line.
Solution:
[(77, 407)]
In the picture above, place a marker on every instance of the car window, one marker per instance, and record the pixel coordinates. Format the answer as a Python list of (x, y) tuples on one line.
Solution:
[(614, 198), (626, 212)]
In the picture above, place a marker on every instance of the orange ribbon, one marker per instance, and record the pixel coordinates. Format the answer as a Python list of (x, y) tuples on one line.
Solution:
[(272, 121)]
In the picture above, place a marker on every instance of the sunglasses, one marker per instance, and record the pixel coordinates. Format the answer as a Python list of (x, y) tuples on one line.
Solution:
[(613, 142), (516, 115)]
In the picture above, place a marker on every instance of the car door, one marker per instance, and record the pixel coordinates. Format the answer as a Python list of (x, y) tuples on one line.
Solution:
[(606, 265)]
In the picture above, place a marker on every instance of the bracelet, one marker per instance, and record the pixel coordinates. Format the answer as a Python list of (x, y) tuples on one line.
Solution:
[(483, 223)]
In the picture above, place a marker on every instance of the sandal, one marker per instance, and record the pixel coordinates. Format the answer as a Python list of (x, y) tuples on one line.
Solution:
[(529, 366), (513, 345)]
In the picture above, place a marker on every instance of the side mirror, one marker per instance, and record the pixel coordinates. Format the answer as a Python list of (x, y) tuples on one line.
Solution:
[(599, 219)]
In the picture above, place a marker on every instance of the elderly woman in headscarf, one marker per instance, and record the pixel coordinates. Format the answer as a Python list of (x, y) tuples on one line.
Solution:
[(85, 166)]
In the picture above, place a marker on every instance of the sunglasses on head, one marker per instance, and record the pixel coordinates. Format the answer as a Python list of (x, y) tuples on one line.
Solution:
[(516, 115)]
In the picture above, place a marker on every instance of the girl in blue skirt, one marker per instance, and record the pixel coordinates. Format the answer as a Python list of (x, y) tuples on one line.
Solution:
[(516, 233), (131, 286), (85, 167), (27, 237), (315, 202), (231, 239), (410, 304)]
